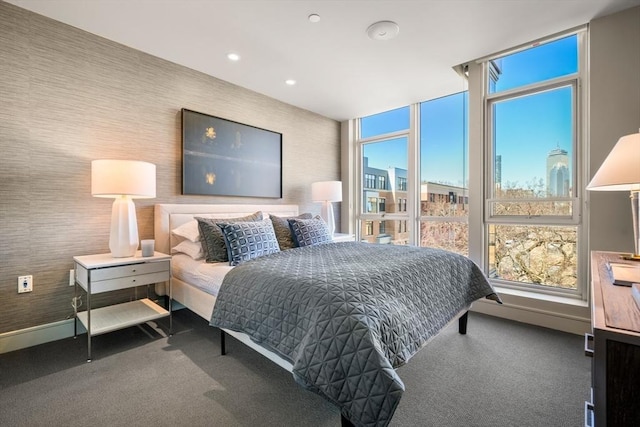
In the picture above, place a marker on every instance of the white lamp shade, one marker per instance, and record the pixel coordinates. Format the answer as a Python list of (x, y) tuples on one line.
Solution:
[(123, 180), (326, 191), (114, 178), (620, 171)]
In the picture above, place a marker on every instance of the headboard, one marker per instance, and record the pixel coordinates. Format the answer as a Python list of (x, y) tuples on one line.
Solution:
[(169, 216)]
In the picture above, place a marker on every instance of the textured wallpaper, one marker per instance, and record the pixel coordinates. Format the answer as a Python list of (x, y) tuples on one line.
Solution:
[(69, 97)]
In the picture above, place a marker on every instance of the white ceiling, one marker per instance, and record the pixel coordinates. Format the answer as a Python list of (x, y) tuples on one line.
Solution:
[(340, 72)]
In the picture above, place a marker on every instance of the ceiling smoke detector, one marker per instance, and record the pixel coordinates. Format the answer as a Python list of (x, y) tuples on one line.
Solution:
[(383, 30)]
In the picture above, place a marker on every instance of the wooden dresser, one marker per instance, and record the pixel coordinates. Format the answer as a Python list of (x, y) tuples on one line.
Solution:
[(615, 348)]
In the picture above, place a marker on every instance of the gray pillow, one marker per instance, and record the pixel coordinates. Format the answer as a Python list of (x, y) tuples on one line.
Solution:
[(308, 232), (249, 240), (213, 243), (283, 231)]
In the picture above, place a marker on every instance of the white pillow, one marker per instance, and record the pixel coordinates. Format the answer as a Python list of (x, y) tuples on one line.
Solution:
[(193, 249), (188, 230)]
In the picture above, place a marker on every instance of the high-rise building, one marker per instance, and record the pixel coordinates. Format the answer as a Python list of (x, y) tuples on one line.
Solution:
[(558, 173)]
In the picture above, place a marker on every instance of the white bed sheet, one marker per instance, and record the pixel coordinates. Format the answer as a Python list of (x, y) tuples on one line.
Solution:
[(205, 276)]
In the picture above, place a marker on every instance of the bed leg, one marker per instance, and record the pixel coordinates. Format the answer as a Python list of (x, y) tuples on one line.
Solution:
[(345, 422), (223, 342), (462, 323)]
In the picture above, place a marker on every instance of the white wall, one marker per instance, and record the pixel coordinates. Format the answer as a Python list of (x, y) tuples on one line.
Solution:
[(614, 112)]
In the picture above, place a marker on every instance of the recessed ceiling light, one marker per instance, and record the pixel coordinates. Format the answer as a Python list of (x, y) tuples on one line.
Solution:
[(233, 57), (290, 82), (383, 30), (314, 17)]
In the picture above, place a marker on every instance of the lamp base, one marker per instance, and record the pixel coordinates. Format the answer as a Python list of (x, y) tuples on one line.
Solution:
[(123, 239), (630, 257), (327, 215), (635, 216)]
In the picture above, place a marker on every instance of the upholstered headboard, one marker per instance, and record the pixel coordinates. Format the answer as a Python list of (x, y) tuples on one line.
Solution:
[(169, 216)]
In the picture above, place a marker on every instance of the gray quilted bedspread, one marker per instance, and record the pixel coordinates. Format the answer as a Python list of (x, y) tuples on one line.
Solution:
[(347, 314)]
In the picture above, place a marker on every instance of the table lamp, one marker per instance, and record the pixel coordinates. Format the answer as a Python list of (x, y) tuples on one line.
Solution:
[(123, 180), (327, 192), (620, 171)]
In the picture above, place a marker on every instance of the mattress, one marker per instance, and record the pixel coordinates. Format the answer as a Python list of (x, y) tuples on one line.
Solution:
[(205, 276)]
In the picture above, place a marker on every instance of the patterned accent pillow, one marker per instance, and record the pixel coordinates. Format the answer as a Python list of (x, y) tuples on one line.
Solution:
[(283, 231), (249, 240), (213, 243), (308, 232)]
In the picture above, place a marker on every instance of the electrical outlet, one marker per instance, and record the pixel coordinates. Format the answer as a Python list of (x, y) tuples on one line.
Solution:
[(72, 277), (25, 284)]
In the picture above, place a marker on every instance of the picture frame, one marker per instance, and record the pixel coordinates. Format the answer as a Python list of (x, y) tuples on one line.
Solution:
[(225, 158)]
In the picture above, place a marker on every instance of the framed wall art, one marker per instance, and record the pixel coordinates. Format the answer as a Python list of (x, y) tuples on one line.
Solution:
[(225, 158)]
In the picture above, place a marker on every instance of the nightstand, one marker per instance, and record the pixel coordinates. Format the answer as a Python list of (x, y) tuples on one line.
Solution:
[(340, 237), (103, 273)]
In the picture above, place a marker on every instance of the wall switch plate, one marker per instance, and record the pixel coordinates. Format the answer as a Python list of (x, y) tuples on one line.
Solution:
[(25, 284), (72, 277)]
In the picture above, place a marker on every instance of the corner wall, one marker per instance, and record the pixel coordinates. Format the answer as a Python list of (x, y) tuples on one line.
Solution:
[(69, 97), (614, 110)]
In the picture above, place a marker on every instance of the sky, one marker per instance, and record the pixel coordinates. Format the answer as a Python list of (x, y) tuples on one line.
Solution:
[(527, 128)]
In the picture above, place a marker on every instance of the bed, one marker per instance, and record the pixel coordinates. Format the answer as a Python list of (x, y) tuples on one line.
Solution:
[(328, 313)]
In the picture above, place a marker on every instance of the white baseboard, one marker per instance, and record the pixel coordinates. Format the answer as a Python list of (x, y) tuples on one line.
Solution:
[(571, 323), (575, 323), (23, 338)]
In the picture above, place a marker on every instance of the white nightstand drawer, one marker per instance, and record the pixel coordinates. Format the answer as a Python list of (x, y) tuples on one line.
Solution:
[(128, 281), (108, 273), (112, 278)]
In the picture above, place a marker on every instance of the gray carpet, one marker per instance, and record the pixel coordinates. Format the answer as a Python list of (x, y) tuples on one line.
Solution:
[(501, 373)]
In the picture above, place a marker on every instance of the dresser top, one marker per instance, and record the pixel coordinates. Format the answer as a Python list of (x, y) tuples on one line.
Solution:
[(613, 306)]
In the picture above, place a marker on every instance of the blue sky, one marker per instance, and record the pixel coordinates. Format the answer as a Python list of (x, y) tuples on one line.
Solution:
[(527, 128)]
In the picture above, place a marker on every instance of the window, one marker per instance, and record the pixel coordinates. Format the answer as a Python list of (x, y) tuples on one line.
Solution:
[(384, 160), (372, 204), (384, 123), (402, 184), (533, 203), (368, 227), (443, 173), (369, 180), (527, 188), (382, 182)]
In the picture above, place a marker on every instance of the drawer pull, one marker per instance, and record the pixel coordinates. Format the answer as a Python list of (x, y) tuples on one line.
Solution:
[(588, 351)]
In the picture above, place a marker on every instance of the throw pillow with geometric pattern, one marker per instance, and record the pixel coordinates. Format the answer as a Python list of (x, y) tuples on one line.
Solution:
[(283, 231), (213, 243), (308, 232), (249, 240)]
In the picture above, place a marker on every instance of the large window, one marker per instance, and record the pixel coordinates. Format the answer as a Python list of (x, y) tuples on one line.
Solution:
[(384, 160), (444, 182), (533, 221), (526, 187)]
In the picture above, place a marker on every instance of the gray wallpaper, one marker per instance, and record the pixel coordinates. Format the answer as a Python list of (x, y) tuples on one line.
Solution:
[(69, 97)]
